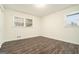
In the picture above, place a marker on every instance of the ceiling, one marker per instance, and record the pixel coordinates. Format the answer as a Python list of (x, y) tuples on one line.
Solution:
[(42, 11)]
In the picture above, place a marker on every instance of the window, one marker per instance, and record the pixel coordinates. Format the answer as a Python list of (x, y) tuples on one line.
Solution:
[(73, 19), (28, 22), (22, 22), (18, 21)]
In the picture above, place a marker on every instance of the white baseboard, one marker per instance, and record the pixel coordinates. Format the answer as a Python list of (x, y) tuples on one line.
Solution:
[(73, 42)]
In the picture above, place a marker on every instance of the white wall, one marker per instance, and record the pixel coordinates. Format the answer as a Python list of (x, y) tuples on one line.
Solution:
[(1, 25), (25, 32), (53, 26)]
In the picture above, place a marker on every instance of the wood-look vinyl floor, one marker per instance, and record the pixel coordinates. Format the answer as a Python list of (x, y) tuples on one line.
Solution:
[(39, 45)]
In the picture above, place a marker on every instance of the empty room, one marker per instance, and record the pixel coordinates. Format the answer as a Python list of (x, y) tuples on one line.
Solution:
[(39, 29)]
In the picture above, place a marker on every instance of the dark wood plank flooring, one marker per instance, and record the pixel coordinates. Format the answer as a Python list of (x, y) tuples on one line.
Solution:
[(39, 45)]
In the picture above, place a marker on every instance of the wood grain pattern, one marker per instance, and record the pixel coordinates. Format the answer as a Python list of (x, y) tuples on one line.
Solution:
[(39, 45)]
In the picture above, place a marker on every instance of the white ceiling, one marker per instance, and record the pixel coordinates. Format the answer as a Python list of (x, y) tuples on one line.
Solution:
[(31, 9)]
